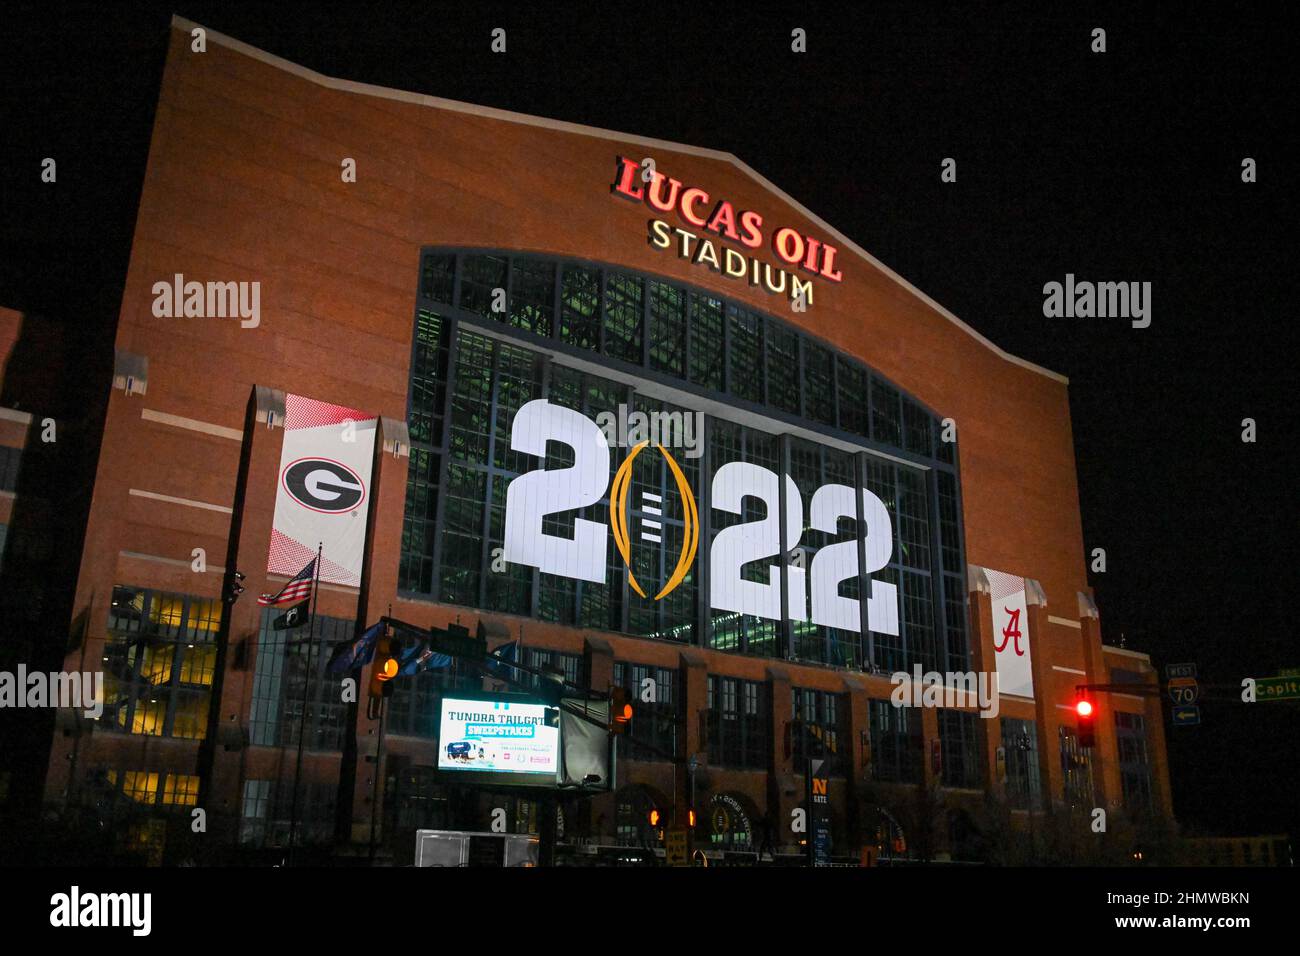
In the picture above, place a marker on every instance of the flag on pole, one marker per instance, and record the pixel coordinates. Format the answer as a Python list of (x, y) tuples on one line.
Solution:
[(355, 654), (296, 616), (421, 657), (295, 589), (499, 660)]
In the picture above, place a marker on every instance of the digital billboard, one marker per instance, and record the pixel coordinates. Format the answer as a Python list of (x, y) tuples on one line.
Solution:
[(499, 740)]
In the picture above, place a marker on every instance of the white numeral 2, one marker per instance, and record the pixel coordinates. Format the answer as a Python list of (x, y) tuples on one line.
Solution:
[(739, 544), (533, 496), (837, 561)]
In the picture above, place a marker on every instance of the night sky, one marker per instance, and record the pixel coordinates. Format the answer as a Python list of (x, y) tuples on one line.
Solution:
[(1117, 166)]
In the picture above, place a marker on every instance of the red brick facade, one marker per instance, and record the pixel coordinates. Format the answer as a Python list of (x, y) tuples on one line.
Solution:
[(243, 182)]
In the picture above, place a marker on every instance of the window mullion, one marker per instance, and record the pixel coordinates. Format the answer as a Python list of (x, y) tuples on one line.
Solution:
[(485, 549), (867, 641), (444, 456), (785, 627), (704, 496)]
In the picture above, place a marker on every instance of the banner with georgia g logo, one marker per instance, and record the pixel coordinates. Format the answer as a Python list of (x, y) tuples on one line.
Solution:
[(324, 489)]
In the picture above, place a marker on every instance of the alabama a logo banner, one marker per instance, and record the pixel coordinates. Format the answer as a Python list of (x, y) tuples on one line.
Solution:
[(1011, 633), (324, 489)]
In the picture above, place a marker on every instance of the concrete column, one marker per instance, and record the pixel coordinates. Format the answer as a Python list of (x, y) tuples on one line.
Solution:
[(356, 790), (984, 661), (1047, 716), (930, 738), (1105, 755), (599, 660), (857, 748), (693, 700)]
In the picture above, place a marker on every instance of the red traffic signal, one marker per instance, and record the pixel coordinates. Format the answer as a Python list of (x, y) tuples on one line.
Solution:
[(1086, 721), (620, 710)]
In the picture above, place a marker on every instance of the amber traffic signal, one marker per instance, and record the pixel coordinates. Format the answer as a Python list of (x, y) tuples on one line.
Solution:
[(386, 668), (620, 710)]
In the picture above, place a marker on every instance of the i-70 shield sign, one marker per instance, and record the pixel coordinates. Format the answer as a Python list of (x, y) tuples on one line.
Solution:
[(1184, 690)]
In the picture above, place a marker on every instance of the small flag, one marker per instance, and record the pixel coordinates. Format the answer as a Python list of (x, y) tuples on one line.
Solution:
[(296, 616), (355, 654), (500, 659), (421, 657), (294, 590)]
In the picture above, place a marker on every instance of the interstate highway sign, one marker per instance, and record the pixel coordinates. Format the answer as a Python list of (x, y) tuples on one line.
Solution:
[(1184, 690), (1180, 670), (1277, 688)]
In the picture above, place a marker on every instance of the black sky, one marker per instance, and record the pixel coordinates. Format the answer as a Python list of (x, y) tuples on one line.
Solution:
[(1117, 166)]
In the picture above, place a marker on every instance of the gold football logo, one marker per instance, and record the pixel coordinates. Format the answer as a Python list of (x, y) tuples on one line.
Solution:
[(618, 520)]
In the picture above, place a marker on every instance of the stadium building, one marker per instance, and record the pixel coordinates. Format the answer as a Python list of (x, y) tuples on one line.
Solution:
[(618, 402)]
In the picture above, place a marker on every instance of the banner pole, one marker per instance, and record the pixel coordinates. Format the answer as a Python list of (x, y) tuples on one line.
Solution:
[(302, 717), (374, 789)]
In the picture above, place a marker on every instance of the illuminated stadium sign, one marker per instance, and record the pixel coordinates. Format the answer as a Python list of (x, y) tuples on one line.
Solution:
[(705, 214)]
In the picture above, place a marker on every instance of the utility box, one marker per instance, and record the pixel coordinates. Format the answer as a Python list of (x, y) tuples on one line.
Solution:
[(463, 848)]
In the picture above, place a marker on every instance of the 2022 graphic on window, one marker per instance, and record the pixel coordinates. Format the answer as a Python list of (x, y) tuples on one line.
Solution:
[(812, 593)]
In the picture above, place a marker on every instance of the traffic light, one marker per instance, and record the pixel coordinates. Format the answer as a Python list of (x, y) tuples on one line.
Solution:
[(620, 710), (233, 588), (690, 819), (655, 816), (386, 667), (1086, 715)]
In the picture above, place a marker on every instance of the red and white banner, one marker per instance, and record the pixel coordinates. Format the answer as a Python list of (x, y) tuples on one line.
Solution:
[(1011, 633), (324, 489)]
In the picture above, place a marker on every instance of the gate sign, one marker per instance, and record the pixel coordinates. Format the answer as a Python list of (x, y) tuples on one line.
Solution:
[(1011, 633), (324, 489)]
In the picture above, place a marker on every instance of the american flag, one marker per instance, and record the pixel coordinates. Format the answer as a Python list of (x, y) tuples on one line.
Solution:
[(294, 590)]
